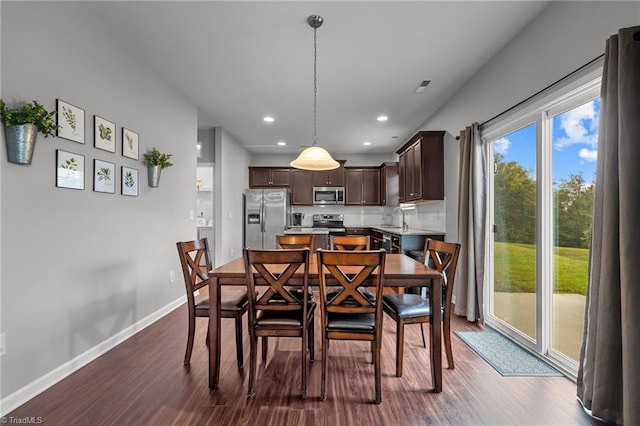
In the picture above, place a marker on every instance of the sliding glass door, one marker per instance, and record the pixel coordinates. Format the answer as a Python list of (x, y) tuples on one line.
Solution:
[(541, 205), (514, 230)]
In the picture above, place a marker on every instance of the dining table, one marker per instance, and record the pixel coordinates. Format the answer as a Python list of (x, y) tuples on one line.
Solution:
[(399, 271)]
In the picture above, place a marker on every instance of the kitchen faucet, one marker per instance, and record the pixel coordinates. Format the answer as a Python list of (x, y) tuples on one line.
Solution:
[(405, 226)]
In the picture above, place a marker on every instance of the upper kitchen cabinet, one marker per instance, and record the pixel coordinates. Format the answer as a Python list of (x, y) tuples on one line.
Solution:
[(362, 186), (333, 177), (389, 195), (269, 177), (301, 187), (421, 167)]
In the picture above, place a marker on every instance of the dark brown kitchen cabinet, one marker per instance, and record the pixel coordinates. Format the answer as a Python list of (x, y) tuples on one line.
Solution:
[(375, 239), (421, 167), (362, 186), (333, 177), (358, 231), (301, 187), (389, 184), (269, 177)]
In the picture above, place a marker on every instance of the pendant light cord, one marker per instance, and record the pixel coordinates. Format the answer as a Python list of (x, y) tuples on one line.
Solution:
[(315, 86)]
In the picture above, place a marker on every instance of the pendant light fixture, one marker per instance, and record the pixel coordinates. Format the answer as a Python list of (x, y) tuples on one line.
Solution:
[(315, 157)]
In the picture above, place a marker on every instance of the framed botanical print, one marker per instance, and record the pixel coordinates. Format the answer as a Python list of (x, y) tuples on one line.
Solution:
[(129, 178), (69, 170), (70, 120), (104, 134), (130, 143), (104, 176)]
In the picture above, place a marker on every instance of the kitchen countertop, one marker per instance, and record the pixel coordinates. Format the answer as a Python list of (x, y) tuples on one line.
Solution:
[(306, 230), (411, 231)]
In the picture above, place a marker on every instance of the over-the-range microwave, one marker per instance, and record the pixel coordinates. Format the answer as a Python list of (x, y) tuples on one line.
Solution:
[(328, 195)]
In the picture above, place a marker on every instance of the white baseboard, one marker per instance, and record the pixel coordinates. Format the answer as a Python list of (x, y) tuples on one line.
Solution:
[(19, 397)]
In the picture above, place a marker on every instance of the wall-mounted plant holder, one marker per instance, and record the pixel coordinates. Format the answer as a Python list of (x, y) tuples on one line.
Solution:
[(155, 162), (21, 127), (21, 142)]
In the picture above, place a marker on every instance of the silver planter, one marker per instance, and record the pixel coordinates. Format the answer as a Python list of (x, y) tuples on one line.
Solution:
[(20, 141), (154, 176)]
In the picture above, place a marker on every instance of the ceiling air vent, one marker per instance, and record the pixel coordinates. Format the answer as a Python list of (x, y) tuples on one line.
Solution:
[(423, 85)]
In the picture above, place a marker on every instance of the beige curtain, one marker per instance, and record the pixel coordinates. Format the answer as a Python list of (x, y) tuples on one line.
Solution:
[(609, 376), (472, 196)]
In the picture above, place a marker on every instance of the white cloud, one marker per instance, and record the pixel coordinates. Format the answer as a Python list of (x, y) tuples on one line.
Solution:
[(501, 146), (580, 125), (588, 154)]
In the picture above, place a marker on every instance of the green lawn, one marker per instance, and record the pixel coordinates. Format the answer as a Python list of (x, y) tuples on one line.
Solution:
[(515, 268)]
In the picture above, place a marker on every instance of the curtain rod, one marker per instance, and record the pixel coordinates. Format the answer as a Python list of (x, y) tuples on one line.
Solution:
[(540, 91)]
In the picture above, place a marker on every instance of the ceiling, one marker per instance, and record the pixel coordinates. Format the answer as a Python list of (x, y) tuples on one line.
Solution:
[(239, 61)]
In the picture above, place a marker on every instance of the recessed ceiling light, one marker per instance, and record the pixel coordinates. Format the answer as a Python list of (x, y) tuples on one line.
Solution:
[(367, 143), (268, 119), (281, 143), (382, 118)]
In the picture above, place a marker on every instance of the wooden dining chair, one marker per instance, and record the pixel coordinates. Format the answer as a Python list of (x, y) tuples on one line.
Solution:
[(414, 308), (348, 314), (349, 242), (278, 312), (196, 263), (295, 241)]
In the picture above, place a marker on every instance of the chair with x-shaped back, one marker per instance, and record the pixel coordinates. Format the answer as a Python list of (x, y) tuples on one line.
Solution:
[(196, 263), (414, 308), (347, 314), (278, 311)]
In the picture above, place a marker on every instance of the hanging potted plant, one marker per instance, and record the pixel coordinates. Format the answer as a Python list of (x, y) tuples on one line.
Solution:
[(21, 126), (155, 162)]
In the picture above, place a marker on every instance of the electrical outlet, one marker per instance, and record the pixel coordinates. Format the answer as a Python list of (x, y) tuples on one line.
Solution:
[(172, 277), (3, 345), (191, 214), (232, 252), (230, 215)]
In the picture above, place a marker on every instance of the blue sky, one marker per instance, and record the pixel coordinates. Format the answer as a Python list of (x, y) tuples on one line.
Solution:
[(575, 139)]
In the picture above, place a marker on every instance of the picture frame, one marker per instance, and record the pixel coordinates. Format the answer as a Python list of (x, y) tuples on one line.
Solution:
[(130, 182), (104, 134), (130, 143), (69, 170), (70, 120), (104, 176)]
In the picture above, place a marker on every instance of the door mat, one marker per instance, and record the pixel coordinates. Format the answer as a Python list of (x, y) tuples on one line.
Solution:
[(505, 356)]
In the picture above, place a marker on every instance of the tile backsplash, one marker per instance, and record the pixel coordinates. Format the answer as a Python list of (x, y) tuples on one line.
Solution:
[(429, 215)]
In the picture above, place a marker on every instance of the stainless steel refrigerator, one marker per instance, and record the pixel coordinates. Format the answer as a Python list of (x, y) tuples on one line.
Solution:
[(267, 213)]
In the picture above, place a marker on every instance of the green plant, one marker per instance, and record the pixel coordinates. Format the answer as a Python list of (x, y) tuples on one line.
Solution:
[(157, 158), (30, 113)]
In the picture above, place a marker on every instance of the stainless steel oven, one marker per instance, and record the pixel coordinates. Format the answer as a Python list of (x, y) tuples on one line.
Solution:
[(328, 195)]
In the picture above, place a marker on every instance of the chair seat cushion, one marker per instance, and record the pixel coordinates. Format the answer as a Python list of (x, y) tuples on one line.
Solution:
[(407, 305), (358, 322), (233, 299), (283, 318), (202, 306)]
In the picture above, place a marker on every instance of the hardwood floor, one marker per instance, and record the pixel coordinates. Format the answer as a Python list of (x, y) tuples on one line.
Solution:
[(143, 382)]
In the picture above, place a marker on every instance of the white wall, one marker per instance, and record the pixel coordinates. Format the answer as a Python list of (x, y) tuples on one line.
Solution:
[(565, 36), (231, 179), (79, 267)]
